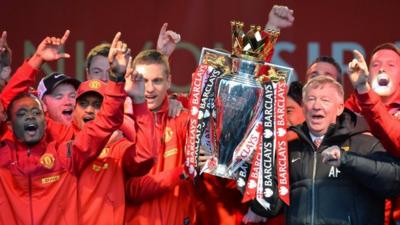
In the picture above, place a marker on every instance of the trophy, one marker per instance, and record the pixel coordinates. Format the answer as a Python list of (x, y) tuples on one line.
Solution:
[(238, 95), (238, 116)]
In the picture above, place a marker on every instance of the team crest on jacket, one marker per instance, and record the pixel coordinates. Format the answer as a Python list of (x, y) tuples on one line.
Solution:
[(168, 134), (47, 160)]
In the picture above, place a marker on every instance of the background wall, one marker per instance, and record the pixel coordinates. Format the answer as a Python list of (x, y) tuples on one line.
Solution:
[(321, 27)]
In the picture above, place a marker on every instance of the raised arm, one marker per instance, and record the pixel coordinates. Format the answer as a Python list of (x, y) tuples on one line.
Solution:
[(382, 124), (48, 50), (140, 157), (279, 17), (95, 134), (167, 40)]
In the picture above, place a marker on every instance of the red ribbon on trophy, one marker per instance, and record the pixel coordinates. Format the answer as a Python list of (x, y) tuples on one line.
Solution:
[(194, 102), (281, 142)]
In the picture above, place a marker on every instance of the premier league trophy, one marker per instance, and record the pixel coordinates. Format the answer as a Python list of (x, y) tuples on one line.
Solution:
[(238, 97), (238, 116), (238, 94)]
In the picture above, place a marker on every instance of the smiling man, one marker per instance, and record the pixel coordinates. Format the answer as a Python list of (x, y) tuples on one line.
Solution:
[(332, 159), (321, 107)]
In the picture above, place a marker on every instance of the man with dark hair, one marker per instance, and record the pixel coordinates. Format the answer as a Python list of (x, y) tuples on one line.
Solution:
[(325, 65), (97, 65), (104, 178), (293, 105), (294, 110)]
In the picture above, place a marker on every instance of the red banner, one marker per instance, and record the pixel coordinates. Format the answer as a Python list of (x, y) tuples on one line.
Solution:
[(282, 165), (321, 27)]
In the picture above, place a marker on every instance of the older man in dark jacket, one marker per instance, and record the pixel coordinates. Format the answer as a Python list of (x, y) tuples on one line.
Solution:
[(339, 174)]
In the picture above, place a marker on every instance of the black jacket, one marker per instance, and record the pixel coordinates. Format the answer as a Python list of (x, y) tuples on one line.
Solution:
[(354, 193)]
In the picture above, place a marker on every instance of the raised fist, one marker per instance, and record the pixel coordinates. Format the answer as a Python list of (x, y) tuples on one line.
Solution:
[(280, 17)]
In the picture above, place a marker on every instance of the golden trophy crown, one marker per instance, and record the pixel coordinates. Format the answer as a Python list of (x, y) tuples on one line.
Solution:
[(253, 44)]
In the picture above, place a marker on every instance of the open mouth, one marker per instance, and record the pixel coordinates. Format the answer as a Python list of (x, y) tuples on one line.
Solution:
[(150, 97), (317, 117), (382, 85), (67, 112), (31, 128), (383, 79), (87, 119)]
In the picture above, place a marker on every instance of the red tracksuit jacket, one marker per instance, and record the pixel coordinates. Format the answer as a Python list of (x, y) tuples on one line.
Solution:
[(95, 183), (102, 184), (41, 187), (162, 197)]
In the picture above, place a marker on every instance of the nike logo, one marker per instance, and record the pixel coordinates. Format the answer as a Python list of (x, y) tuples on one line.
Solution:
[(58, 75), (295, 159)]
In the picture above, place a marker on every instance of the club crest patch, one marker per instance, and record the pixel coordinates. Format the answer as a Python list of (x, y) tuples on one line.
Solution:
[(168, 134), (94, 84), (104, 152), (47, 160)]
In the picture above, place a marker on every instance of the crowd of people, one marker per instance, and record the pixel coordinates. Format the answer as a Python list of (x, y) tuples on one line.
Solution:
[(110, 149)]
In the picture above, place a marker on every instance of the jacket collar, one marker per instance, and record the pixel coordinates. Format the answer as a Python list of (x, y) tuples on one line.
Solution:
[(162, 113), (347, 124), (37, 149)]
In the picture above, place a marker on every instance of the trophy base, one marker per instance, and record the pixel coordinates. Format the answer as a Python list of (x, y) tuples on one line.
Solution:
[(222, 171)]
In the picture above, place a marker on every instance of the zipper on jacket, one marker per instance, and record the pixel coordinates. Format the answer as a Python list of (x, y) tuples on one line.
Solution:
[(155, 118), (30, 191), (30, 199), (313, 187)]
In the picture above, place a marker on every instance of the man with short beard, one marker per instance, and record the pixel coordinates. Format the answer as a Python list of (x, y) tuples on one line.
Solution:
[(325, 65)]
